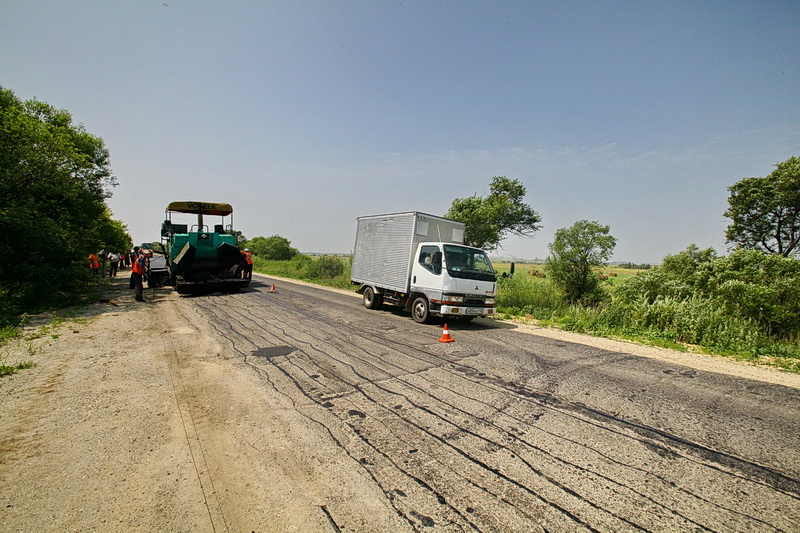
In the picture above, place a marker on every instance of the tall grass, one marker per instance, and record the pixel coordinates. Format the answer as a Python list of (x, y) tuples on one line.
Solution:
[(673, 322), (330, 271), (527, 295)]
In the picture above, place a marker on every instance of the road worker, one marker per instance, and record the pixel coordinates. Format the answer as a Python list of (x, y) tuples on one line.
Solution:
[(247, 272), (139, 267), (103, 255), (94, 264)]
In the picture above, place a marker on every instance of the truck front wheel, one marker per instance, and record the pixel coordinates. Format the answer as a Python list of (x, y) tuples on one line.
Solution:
[(420, 310), (372, 300)]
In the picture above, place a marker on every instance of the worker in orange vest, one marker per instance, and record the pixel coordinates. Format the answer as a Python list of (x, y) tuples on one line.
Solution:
[(94, 264), (247, 272), (137, 275)]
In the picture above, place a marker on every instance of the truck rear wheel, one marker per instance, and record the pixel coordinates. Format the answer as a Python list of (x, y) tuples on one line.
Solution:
[(372, 300), (420, 310)]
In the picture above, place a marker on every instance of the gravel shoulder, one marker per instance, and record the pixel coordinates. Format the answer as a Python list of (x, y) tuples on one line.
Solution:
[(102, 434)]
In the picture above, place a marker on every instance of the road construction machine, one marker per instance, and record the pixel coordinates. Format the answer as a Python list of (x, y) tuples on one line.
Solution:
[(202, 258)]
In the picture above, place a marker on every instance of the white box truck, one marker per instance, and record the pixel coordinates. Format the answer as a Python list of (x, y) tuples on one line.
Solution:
[(418, 262)]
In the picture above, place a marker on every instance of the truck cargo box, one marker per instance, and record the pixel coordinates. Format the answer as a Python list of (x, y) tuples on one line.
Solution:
[(385, 244)]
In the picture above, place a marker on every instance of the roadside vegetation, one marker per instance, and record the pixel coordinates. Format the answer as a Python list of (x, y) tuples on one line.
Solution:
[(326, 270), (55, 178), (746, 305)]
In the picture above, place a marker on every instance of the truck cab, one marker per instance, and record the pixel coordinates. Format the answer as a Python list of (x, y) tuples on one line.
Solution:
[(454, 280)]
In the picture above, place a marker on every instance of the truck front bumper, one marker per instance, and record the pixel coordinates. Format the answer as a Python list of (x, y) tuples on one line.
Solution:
[(459, 310)]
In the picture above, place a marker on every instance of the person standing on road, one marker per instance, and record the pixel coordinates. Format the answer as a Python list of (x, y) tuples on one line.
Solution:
[(247, 272), (103, 255), (94, 264), (113, 259), (137, 274)]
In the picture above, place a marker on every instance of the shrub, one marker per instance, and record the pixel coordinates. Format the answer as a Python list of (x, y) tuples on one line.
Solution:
[(275, 247), (325, 267)]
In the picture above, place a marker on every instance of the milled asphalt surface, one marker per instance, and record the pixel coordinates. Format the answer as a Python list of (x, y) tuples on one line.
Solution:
[(507, 431)]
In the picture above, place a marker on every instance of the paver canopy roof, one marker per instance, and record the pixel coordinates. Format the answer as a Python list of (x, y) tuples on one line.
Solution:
[(205, 208)]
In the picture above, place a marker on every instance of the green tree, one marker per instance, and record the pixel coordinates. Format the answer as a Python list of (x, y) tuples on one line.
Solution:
[(684, 264), (112, 234), (54, 180), (575, 254), (488, 219), (274, 247), (765, 212)]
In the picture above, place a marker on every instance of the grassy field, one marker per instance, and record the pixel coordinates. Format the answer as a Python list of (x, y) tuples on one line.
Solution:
[(614, 275)]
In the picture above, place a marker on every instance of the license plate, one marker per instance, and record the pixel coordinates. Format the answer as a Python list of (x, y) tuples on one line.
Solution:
[(473, 311)]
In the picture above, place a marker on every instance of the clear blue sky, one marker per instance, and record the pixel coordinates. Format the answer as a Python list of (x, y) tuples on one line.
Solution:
[(307, 114)]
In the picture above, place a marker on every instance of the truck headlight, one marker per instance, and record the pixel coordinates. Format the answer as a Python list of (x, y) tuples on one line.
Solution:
[(452, 299), (490, 301)]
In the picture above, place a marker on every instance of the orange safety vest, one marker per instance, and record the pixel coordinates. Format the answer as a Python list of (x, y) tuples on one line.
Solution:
[(139, 264), (93, 262), (248, 256)]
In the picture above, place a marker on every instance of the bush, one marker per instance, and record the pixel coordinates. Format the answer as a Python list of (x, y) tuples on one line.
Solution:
[(748, 284), (275, 247), (325, 267)]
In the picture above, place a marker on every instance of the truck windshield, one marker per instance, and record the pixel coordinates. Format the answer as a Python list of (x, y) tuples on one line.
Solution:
[(468, 263)]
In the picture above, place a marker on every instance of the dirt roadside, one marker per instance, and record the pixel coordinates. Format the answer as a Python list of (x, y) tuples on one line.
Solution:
[(103, 434)]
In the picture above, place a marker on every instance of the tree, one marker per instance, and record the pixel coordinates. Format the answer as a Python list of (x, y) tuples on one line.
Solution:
[(111, 234), (54, 180), (489, 219), (684, 264), (274, 247), (575, 254), (765, 212)]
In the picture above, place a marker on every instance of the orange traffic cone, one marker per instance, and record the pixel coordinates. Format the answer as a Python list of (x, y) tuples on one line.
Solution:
[(272, 289), (446, 335)]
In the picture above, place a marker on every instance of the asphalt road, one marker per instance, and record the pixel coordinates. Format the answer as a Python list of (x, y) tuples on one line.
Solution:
[(506, 431)]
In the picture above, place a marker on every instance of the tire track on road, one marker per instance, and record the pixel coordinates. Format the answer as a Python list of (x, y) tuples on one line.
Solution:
[(341, 335), (775, 480), (466, 455)]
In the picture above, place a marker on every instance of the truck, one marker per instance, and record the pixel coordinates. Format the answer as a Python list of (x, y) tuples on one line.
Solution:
[(419, 262), (202, 258)]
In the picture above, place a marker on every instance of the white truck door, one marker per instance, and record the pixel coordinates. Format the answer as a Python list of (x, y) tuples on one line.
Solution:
[(426, 275)]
